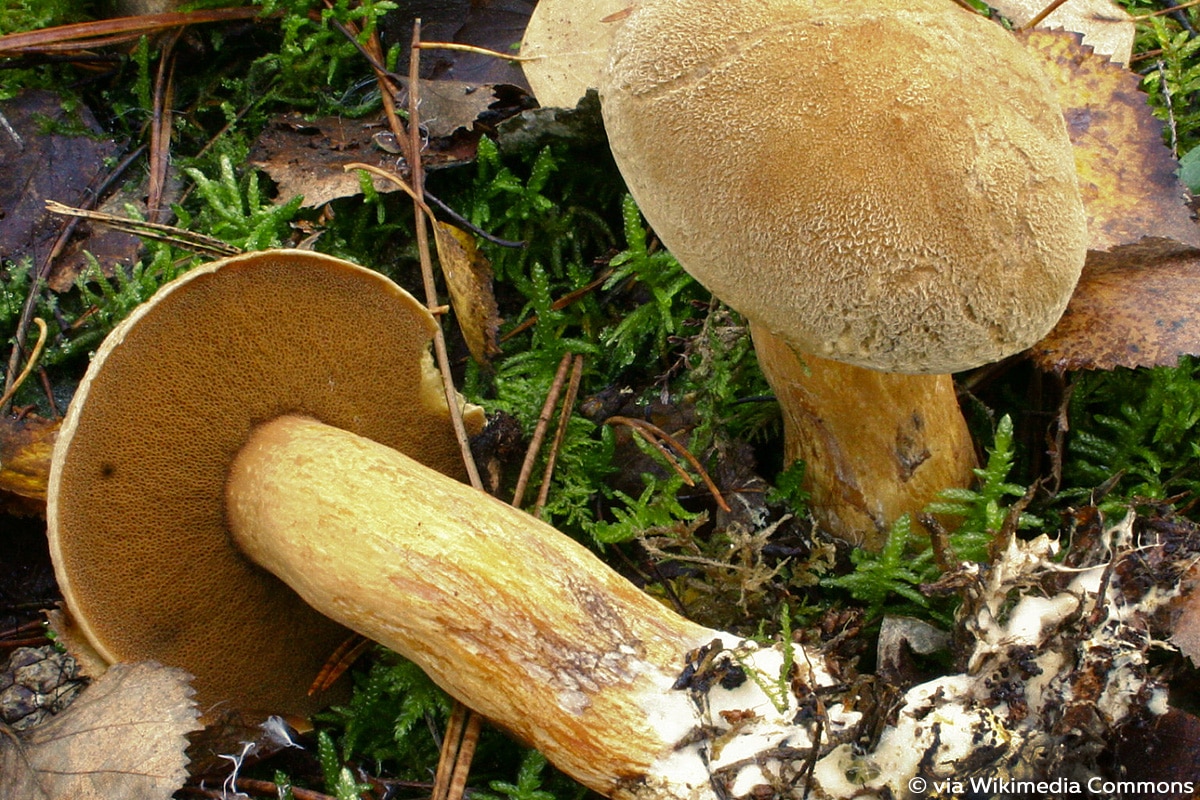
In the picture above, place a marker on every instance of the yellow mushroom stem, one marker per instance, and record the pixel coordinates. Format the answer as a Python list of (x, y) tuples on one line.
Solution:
[(507, 614), (876, 445)]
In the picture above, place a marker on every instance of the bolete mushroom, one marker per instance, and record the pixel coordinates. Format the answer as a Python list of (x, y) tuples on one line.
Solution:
[(886, 192), (228, 492), (136, 509)]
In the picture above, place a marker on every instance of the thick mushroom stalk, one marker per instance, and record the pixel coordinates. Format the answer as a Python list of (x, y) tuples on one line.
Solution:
[(513, 618), (510, 616), (260, 460), (876, 445), (886, 185)]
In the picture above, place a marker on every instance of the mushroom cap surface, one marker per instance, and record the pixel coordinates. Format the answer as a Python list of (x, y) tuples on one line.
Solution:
[(137, 487), (889, 185)]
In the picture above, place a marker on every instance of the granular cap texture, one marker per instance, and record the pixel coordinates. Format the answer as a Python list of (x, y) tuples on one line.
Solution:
[(888, 186)]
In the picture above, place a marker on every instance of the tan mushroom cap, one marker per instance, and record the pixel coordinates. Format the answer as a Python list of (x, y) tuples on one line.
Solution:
[(885, 184), (136, 500)]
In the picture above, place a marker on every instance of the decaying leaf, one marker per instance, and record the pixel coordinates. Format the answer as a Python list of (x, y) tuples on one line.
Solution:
[(492, 24), (1136, 306), (1185, 622), (40, 165), (26, 445), (1105, 26), (469, 281), (447, 106), (1126, 174), (1160, 758), (251, 736), (124, 737), (305, 157), (570, 39)]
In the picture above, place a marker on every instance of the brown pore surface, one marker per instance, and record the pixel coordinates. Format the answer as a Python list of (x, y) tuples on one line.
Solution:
[(889, 185), (136, 511)]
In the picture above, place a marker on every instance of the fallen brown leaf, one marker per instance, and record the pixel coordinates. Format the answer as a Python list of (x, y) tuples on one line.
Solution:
[(1160, 758), (42, 165), (305, 157), (1127, 176), (469, 281), (124, 737), (1105, 26), (1136, 306), (1185, 618), (492, 24), (26, 445), (570, 39)]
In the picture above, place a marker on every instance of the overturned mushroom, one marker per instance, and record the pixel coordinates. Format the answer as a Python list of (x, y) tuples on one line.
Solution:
[(186, 528), (240, 434), (878, 189)]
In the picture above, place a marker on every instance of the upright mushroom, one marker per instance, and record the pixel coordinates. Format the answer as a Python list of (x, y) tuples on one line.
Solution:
[(225, 496), (879, 189)]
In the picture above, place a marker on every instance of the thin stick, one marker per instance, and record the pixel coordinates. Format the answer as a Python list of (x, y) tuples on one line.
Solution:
[(1159, 13), (462, 747), (539, 431), (559, 304), (43, 269), (431, 298), (83, 32), (1047, 11), (470, 48), (651, 432), (466, 753), (564, 417), (446, 764), (339, 661), (258, 787), (160, 128), (37, 352), (189, 240)]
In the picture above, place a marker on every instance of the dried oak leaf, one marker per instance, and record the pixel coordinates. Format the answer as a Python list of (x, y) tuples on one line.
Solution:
[(1135, 306), (569, 39), (1127, 176), (124, 737), (469, 281), (1106, 27)]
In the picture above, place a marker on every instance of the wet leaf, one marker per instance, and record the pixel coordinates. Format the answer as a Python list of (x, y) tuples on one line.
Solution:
[(1127, 176), (571, 39), (124, 737), (1185, 617), (1105, 27), (469, 280), (48, 153), (1136, 306), (1160, 757), (26, 446), (492, 24)]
